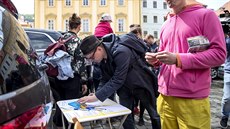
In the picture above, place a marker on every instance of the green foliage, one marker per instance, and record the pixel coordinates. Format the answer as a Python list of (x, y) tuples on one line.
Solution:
[(28, 17)]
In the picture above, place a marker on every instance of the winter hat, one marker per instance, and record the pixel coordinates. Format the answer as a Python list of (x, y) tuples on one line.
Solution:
[(106, 17)]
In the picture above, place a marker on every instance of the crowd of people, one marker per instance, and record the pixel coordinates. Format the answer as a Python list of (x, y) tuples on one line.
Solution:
[(167, 80)]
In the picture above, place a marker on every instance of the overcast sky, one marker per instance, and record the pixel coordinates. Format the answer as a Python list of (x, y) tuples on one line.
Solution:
[(214, 4), (27, 6), (24, 6)]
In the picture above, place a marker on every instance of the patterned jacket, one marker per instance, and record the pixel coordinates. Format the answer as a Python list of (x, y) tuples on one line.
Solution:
[(78, 62)]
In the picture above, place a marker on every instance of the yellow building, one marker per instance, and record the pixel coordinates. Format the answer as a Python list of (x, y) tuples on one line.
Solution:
[(54, 14)]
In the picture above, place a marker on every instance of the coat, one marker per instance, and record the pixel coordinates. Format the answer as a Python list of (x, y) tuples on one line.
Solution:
[(119, 69)]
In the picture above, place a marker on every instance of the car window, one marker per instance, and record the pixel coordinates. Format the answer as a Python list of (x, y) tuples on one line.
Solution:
[(39, 41), (24, 86), (55, 36), (17, 58)]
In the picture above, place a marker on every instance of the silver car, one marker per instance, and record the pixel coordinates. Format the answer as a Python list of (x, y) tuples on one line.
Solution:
[(40, 39)]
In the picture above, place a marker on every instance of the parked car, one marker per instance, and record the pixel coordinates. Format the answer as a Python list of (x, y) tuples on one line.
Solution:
[(221, 71), (40, 39), (225, 21), (25, 99), (214, 72), (218, 72)]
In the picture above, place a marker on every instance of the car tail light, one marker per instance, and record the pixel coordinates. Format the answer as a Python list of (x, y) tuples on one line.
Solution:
[(33, 119)]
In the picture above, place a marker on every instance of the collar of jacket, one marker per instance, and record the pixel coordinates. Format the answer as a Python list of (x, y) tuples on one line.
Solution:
[(71, 32), (108, 52)]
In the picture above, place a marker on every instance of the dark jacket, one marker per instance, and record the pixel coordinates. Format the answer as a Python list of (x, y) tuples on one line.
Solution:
[(118, 70)]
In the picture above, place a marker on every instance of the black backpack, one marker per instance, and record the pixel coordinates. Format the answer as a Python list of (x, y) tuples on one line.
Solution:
[(140, 64)]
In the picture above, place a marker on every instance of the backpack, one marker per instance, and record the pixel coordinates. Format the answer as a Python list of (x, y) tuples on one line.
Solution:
[(139, 65), (50, 51)]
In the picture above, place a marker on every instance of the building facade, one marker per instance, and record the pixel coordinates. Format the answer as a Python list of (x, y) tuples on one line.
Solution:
[(54, 14), (153, 13)]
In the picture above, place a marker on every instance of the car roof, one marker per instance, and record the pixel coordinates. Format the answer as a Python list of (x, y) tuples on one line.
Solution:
[(36, 32), (39, 30), (52, 33), (225, 19), (10, 7)]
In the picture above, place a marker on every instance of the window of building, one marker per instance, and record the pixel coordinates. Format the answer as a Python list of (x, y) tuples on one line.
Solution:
[(155, 34), (120, 2), (85, 2), (154, 4), (164, 5), (51, 3), (103, 2), (67, 2), (155, 20), (66, 25), (145, 19), (121, 25), (85, 25), (144, 3), (50, 24), (145, 33)]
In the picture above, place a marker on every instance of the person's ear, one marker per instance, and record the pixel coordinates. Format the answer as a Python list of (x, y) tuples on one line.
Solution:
[(99, 48)]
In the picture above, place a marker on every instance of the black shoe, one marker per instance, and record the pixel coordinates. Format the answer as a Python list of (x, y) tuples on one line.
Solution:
[(141, 122), (224, 123)]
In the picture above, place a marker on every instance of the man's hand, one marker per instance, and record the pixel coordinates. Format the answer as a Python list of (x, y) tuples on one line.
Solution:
[(150, 57), (90, 98), (84, 89), (166, 57)]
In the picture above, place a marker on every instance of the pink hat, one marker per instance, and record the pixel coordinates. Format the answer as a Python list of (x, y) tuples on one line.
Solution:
[(106, 17)]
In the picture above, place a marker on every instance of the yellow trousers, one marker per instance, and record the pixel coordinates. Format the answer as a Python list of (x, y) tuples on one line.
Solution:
[(181, 113)]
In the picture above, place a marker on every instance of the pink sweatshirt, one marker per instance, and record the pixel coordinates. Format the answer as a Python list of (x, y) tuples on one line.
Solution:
[(102, 29), (193, 79)]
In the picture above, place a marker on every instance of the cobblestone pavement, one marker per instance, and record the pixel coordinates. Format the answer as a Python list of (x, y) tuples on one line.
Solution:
[(215, 100)]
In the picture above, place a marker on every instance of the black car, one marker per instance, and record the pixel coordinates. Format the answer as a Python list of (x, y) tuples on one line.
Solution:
[(25, 99), (40, 39), (214, 72), (221, 71)]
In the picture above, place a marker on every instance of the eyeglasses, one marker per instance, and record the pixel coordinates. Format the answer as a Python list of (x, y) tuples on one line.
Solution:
[(92, 56)]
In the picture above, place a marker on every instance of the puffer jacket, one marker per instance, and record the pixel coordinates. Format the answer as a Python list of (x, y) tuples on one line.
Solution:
[(102, 29)]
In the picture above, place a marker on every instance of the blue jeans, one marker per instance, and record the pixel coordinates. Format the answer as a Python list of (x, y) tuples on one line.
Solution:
[(225, 107)]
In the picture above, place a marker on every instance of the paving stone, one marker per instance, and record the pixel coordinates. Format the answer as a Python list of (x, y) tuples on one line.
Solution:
[(215, 101)]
